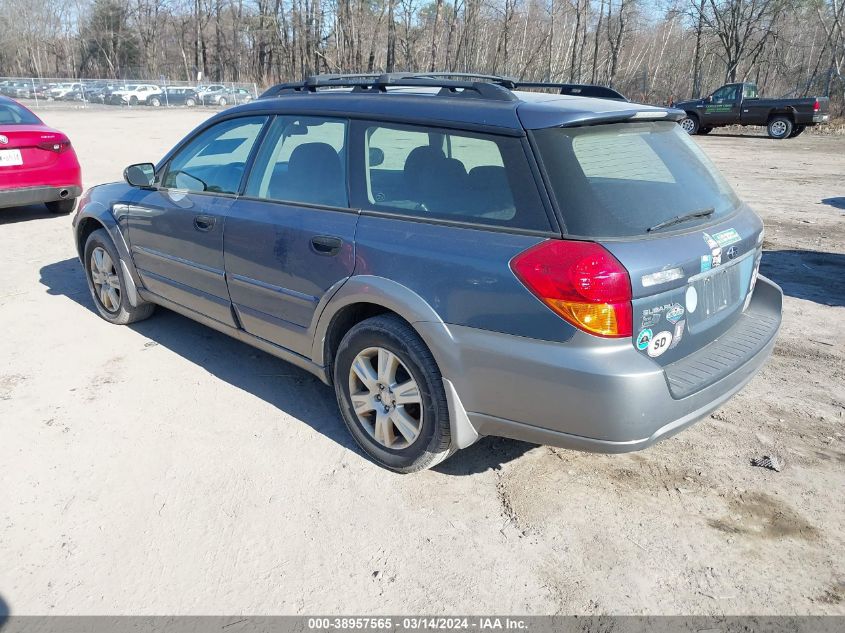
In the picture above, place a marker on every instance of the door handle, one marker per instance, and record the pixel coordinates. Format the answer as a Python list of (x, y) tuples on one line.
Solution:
[(326, 244), (204, 222)]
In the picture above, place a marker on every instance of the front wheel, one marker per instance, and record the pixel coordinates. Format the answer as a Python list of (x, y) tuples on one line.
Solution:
[(155, 103), (190, 103), (779, 127), (61, 207), (391, 396), (689, 124), (107, 284)]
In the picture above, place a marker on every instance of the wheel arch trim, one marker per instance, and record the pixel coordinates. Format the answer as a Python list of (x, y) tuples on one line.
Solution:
[(102, 215)]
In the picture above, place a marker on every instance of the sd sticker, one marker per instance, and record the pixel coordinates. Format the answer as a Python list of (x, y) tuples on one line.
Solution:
[(659, 344)]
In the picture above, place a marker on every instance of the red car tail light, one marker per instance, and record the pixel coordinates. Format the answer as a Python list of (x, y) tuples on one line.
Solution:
[(580, 281), (816, 106), (55, 146)]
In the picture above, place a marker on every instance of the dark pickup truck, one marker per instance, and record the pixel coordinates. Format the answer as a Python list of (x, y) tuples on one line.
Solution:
[(739, 104)]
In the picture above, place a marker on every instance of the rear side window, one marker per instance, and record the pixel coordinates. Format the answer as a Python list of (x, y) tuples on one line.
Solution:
[(618, 180), (302, 159), (444, 174)]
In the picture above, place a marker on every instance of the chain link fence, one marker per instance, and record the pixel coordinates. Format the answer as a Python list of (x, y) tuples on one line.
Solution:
[(47, 92)]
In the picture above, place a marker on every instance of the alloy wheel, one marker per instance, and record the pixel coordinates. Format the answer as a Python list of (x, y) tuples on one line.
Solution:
[(105, 279), (386, 398), (778, 128), (688, 125)]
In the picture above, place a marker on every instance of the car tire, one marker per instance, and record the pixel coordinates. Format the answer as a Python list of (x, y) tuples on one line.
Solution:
[(222, 102), (406, 436), (190, 103), (705, 130), (107, 288), (779, 127), (689, 124), (61, 207), (155, 102), (797, 130), (133, 100)]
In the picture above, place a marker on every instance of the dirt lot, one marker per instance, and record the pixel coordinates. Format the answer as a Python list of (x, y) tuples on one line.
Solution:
[(164, 468)]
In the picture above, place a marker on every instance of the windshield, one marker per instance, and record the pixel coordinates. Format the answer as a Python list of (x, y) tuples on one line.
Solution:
[(13, 114), (621, 179)]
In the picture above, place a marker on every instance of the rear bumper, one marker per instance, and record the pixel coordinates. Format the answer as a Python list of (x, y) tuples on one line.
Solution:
[(604, 398), (36, 195), (821, 118)]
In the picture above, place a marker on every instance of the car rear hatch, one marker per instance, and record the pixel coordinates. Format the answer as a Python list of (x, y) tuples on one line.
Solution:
[(30, 147), (647, 193)]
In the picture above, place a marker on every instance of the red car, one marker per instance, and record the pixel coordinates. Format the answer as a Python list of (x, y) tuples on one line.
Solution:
[(37, 162)]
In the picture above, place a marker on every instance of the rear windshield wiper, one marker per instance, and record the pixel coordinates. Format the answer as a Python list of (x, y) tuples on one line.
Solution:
[(701, 213)]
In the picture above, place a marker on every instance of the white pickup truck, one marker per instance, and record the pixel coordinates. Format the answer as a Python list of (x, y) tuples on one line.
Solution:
[(133, 94)]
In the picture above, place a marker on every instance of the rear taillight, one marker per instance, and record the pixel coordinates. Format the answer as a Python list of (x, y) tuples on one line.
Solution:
[(580, 281), (55, 146), (816, 106)]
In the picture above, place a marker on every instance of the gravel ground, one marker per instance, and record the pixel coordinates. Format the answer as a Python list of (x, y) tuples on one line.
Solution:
[(165, 468)]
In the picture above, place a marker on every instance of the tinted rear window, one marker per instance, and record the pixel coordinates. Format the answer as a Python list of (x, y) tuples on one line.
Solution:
[(618, 180), (13, 114)]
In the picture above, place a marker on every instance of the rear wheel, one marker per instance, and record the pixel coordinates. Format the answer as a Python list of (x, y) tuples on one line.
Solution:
[(61, 206), (797, 130), (779, 127), (390, 393), (133, 100), (107, 284), (689, 124), (222, 102)]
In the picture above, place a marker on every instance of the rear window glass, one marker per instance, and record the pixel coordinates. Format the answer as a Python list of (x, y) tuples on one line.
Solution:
[(13, 114), (459, 176), (621, 179)]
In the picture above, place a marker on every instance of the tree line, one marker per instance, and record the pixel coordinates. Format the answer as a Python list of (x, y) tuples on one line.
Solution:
[(651, 50)]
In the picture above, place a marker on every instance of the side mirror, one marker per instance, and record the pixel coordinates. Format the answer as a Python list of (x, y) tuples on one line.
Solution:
[(708, 99), (376, 156), (140, 175)]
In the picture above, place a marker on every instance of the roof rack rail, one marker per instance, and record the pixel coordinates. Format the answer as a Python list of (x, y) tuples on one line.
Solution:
[(576, 90), (380, 82), (483, 86)]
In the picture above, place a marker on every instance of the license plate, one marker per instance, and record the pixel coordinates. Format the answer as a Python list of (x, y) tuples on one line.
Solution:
[(722, 287), (10, 157)]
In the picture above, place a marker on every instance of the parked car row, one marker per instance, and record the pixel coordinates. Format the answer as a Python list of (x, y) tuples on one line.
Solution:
[(117, 93)]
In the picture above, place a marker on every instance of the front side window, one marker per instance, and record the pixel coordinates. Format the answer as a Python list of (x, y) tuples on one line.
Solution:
[(448, 175), (214, 160), (620, 179), (302, 159), (725, 95)]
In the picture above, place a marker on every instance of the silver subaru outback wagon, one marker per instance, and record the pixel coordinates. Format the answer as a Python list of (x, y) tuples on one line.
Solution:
[(457, 256)]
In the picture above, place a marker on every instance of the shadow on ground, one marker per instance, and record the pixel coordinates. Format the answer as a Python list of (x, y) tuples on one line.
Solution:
[(810, 275), (12, 215), (4, 612), (836, 203), (278, 383)]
